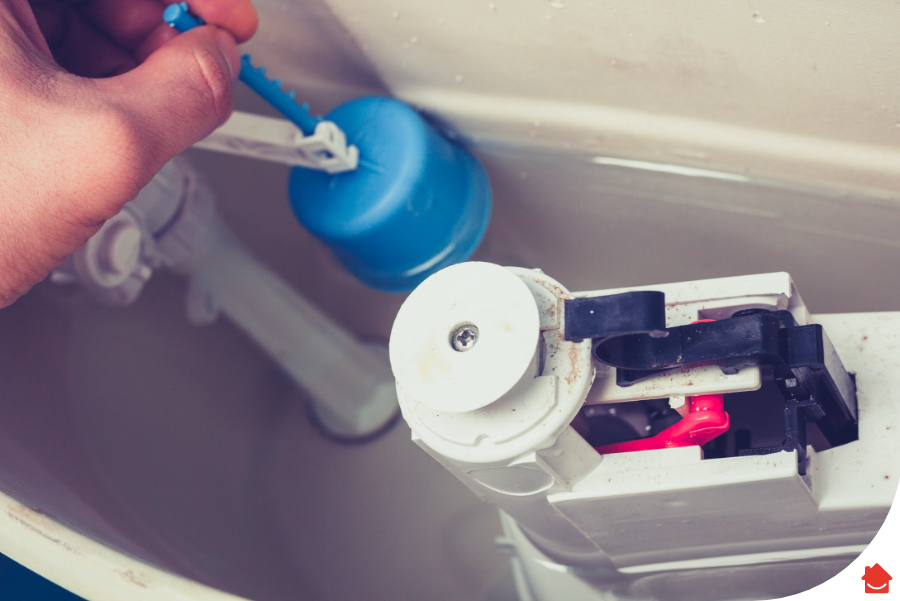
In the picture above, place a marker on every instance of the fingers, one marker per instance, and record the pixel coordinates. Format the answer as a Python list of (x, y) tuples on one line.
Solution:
[(237, 16), (20, 13), (131, 22), (53, 22), (76, 149), (79, 47), (134, 23), (177, 96), (135, 27), (127, 22)]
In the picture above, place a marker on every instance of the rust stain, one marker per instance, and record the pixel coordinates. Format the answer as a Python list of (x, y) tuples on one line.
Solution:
[(432, 365), (575, 364), (134, 578), (551, 312), (23, 520)]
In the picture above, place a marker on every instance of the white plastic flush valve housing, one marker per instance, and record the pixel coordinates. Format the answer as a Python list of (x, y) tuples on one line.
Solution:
[(516, 387), (496, 412), (494, 301)]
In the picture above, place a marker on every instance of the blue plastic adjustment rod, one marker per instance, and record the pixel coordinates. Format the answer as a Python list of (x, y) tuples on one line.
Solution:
[(271, 92), (179, 17)]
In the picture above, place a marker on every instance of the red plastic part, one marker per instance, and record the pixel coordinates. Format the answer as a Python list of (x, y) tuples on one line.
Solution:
[(706, 421)]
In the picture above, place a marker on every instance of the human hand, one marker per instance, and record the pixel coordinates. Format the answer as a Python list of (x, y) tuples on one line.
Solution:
[(95, 97)]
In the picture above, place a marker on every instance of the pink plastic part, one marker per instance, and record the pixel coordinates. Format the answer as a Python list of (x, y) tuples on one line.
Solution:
[(706, 421)]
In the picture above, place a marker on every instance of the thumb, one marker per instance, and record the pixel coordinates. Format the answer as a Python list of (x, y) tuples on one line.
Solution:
[(178, 95)]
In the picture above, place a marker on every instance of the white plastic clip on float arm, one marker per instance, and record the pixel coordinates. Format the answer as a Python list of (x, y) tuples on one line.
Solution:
[(281, 141)]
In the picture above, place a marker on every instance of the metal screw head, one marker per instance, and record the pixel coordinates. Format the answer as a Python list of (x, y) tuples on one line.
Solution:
[(464, 337)]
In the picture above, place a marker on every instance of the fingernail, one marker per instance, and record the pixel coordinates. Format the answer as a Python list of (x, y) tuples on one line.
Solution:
[(229, 48)]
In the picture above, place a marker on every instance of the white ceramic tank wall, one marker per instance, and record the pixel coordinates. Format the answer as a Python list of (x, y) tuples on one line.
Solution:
[(796, 92), (656, 88)]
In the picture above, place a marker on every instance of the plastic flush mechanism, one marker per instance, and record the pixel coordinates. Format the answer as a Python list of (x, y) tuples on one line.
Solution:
[(414, 204), (808, 374)]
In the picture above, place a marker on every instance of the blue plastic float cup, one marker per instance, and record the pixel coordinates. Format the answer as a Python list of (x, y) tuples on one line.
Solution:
[(416, 204)]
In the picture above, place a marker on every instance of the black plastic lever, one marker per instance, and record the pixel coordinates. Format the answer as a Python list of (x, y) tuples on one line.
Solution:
[(628, 333)]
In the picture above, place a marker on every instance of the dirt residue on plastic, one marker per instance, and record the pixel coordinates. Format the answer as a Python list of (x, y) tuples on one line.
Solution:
[(25, 516), (576, 366), (551, 308), (134, 578)]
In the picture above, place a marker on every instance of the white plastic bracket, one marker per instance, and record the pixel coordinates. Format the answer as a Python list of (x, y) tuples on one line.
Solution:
[(280, 141)]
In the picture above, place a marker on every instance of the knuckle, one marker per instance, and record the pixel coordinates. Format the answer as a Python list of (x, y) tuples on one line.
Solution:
[(212, 85)]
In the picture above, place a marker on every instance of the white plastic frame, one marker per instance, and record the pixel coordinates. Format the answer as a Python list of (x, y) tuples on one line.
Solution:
[(280, 141)]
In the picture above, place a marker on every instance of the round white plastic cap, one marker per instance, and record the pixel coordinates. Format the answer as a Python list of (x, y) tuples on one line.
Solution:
[(490, 297)]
